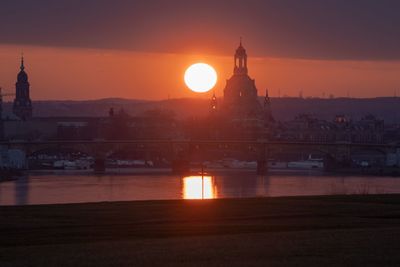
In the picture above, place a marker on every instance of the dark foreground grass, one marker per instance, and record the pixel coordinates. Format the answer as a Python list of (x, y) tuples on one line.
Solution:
[(301, 231)]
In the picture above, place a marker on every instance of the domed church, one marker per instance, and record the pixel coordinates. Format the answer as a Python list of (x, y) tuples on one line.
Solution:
[(241, 100), (242, 114), (240, 93)]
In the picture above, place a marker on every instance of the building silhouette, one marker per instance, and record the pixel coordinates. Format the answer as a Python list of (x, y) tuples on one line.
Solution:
[(22, 106), (242, 111), (240, 93)]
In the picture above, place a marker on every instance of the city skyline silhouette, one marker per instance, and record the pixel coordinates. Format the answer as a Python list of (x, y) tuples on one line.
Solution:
[(338, 48)]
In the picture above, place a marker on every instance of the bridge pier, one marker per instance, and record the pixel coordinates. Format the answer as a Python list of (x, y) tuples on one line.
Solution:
[(262, 167), (330, 164), (181, 159), (262, 161), (99, 165), (180, 166)]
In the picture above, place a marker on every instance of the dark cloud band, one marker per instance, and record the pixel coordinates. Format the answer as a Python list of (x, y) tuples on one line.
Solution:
[(329, 29)]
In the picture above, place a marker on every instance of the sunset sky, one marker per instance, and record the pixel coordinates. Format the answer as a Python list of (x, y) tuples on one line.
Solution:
[(140, 49)]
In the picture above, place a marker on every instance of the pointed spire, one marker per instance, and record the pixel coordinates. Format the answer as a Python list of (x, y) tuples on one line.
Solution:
[(240, 43), (22, 61), (266, 99)]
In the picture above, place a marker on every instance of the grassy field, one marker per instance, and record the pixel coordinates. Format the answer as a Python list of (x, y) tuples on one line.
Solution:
[(360, 230)]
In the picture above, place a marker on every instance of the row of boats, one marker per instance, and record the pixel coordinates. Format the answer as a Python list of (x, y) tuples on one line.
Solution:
[(84, 164), (226, 163), (308, 164)]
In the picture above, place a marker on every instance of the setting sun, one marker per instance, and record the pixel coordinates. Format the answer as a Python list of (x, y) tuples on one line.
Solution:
[(200, 77)]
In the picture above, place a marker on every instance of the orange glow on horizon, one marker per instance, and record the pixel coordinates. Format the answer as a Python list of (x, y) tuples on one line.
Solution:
[(196, 187), (76, 74)]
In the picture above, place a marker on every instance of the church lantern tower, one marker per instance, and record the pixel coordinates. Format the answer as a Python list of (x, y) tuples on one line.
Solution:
[(240, 93), (22, 106), (240, 60)]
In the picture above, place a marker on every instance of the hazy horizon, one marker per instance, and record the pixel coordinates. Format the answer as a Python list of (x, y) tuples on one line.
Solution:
[(141, 50)]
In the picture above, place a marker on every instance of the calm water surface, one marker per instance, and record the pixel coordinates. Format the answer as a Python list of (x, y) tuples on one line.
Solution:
[(74, 188)]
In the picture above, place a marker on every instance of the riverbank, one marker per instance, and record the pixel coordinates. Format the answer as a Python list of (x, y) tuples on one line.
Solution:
[(303, 231), (387, 171), (167, 171)]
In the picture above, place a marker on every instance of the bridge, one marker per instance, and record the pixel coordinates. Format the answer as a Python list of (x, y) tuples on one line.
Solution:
[(182, 151)]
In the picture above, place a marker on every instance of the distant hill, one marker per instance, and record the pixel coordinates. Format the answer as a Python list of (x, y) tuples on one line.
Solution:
[(387, 108), (284, 108)]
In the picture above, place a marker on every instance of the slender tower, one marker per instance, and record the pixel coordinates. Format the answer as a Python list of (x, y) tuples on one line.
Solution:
[(213, 106), (22, 103), (267, 108)]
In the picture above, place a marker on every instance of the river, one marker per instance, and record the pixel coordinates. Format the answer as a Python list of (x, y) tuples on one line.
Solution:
[(72, 187)]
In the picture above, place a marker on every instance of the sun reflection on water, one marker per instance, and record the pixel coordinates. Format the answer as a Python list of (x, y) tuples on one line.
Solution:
[(198, 187)]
